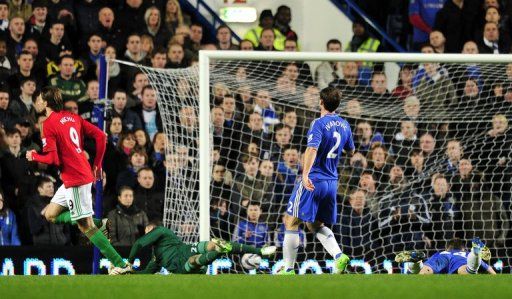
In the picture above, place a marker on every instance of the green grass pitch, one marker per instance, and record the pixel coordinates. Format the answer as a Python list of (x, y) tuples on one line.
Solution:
[(258, 286)]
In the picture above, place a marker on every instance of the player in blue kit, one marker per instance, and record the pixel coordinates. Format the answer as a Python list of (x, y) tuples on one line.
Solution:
[(454, 260), (313, 199)]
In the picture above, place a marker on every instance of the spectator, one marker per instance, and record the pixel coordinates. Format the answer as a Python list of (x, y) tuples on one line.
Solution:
[(142, 139), (221, 218), (246, 184), (290, 119), (7, 117), (24, 125), (130, 119), (23, 106), (137, 160), (267, 40), (134, 51), (492, 15), (282, 23), (349, 85), (114, 130), (265, 108), (443, 211), (25, 71), (111, 33), (8, 224), (288, 168), (131, 16), (157, 151), (438, 41), (379, 89), (42, 231), (91, 57), (305, 78), (116, 158), (159, 58), (19, 9), (254, 130), (196, 37), (70, 87), (146, 44), (146, 196), (404, 86), (176, 56), (148, 112), (416, 171), (56, 44), (368, 185), (329, 71), (115, 76), (433, 83), (453, 22), (4, 17), (155, 27), (453, 154), (362, 42), (403, 216), (15, 171), (224, 39), (404, 141), (86, 104), (266, 21), (32, 47), (283, 136), (491, 42), (140, 81), (428, 148), (422, 16), (15, 37), (378, 164), (245, 45), (287, 86), (411, 109), (127, 221), (219, 187), (365, 137), (7, 65), (357, 226), (252, 231), (38, 25), (174, 16)]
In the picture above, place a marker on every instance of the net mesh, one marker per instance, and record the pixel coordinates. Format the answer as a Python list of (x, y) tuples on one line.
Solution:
[(432, 161)]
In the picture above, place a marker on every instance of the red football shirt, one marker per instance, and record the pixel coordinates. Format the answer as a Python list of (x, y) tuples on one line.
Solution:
[(63, 132)]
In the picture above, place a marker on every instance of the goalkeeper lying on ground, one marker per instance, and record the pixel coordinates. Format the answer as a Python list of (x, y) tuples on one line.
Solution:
[(180, 258), (454, 260)]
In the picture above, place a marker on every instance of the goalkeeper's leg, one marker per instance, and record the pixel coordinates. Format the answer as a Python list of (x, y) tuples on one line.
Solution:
[(199, 260)]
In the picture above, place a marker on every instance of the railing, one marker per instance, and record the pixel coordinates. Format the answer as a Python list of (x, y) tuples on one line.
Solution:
[(352, 10), (210, 21)]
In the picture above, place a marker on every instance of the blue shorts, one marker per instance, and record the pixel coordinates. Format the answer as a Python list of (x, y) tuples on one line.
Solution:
[(446, 262), (317, 205)]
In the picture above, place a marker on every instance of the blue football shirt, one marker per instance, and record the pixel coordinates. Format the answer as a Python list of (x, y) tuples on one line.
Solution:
[(330, 135)]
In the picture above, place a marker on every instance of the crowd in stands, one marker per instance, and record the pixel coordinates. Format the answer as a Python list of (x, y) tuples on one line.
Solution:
[(412, 183)]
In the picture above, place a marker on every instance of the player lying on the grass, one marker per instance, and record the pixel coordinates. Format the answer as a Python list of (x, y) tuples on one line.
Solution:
[(177, 257), (62, 134), (454, 260)]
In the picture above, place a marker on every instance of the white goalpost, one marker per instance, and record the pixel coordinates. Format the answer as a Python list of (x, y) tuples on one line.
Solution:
[(432, 163)]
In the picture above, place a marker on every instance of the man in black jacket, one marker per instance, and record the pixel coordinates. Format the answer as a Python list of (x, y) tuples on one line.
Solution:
[(147, 198), (42, 231), (491, 42)]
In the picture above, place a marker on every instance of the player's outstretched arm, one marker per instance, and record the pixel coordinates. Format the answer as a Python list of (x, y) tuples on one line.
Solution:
[(50, 158), (146, 240), (309, 159)]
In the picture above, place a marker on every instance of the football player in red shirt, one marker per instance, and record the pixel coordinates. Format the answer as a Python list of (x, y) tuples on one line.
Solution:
[(62, 134)]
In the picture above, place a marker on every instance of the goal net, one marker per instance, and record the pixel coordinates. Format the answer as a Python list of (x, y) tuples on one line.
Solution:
[(432, 159)]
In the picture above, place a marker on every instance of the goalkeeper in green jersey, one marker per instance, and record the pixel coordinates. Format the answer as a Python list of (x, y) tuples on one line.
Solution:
[(180, 258)]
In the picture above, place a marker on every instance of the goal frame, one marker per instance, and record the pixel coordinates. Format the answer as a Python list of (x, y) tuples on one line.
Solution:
[(206, 56)]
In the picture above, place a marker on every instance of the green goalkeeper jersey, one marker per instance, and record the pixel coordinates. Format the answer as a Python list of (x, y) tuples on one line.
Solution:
[(168, 249)]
